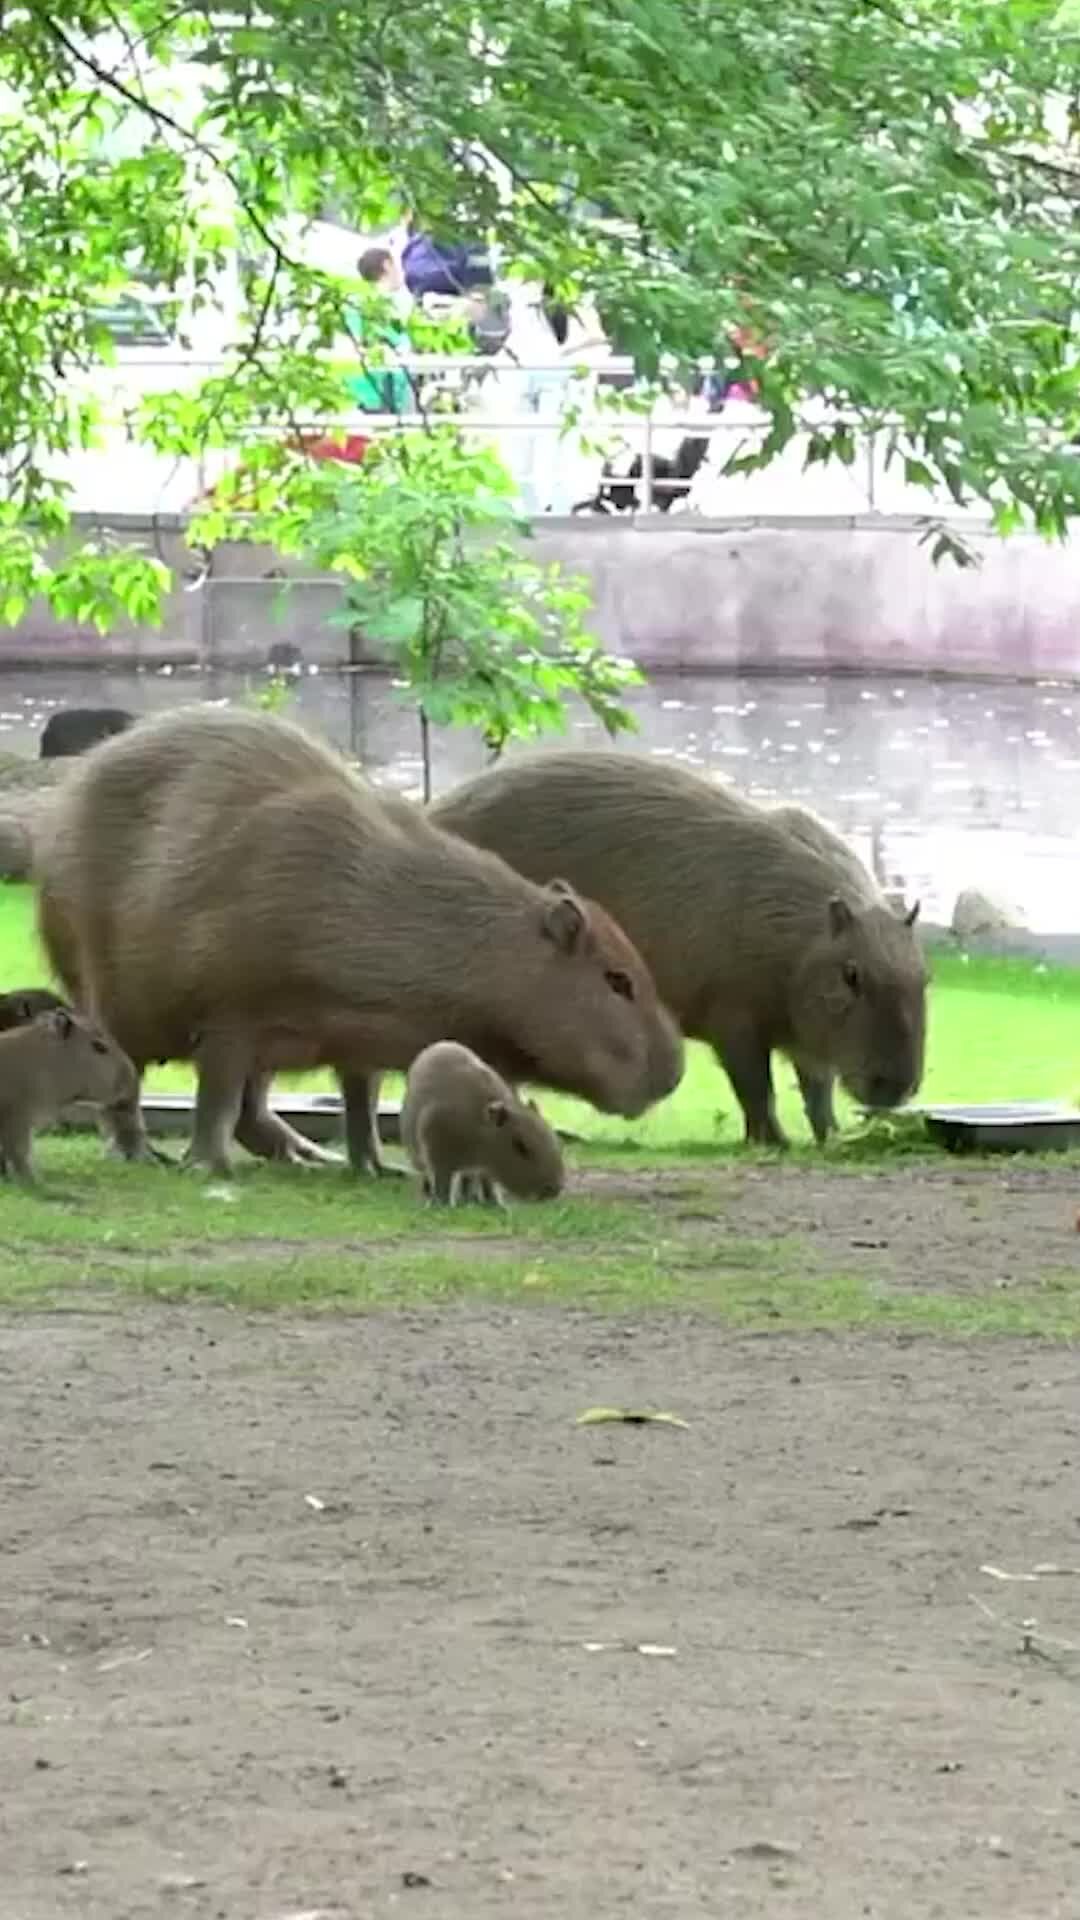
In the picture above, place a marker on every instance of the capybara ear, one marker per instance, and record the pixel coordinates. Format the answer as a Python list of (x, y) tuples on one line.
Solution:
[(498, 1112), (912, 914), (564, 917), (22, 1008), (63, 1023), (841, 918)]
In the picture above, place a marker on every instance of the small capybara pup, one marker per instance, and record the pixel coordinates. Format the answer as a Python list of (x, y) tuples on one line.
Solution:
[(762, 930), (53, 1059), (468, 1134), (216, 885)]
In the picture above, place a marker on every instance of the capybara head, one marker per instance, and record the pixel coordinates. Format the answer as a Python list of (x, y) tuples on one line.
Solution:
[(859, 1001), (520, 1151), (632, 1054), (86, 1061), (23, 1004)]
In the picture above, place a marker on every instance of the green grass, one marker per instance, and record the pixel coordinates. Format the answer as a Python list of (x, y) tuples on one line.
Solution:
[(999, 1030), (282, 1238), (276, 1237)]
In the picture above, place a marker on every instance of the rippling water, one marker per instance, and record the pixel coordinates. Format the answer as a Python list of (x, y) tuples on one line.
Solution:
[(969, 783)]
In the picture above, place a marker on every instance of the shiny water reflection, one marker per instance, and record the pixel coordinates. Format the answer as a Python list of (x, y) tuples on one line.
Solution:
[(969, 783)]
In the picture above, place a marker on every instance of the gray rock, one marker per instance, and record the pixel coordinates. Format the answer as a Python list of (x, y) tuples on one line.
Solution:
[(978, 913)]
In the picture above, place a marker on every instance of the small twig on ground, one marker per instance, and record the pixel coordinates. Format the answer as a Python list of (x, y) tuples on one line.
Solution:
[(1032, 1639)]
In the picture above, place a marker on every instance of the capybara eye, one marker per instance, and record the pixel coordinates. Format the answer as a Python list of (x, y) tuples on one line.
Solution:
[(851, 975), (99, 1046), (620, 983), (520, 1148)]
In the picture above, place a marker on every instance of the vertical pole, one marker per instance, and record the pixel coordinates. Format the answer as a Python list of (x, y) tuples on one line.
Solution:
[(646, 465)]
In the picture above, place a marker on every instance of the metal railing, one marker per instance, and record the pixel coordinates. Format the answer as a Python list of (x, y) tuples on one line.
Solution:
[(610, 430)]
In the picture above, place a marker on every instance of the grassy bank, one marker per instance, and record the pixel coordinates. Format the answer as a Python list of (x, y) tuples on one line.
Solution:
[(999, 1030), (630, 1239), (669, 1212)]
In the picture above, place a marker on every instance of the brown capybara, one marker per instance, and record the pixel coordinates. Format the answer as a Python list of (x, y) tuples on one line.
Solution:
[(465, 1130), (216, 885), (20, 1005), (762, 931), (54, 1059)]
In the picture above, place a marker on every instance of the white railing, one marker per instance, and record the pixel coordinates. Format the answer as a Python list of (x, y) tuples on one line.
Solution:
[(124, 476)]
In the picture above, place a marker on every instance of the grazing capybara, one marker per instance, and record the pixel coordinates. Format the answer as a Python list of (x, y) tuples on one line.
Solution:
[(464, 1129), (761, 929), (22, 1004), (216, 885), (74, 729), (45, 1065)]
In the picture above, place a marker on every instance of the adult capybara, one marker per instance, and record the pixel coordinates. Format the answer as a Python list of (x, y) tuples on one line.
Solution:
[(216, 885), (22, 1004), (75, 729), (762, 930), (45, 1065), (465, 1131)]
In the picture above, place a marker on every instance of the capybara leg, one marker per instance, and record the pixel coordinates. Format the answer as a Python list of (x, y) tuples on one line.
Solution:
[(443, 1189), (747, 1065), (360, 1095), (17, 1142), (124, 1130), (219, 1097), (265, 1134), (480, 1189), (817, 1099)]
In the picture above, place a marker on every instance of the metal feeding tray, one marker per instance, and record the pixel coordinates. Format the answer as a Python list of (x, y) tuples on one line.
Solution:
[(1013, 1126)]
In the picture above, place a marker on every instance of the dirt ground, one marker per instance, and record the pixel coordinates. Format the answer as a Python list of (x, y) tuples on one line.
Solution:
[(345, 1617), (948, 1227)]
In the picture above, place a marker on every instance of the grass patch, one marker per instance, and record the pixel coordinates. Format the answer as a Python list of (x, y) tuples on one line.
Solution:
[(999, 1030), (767, 1285), (656, 1239)]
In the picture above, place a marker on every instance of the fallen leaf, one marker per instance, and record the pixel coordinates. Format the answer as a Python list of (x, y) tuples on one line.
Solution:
[(631, 1417), (235, 1620), (312, 1500), (657, 1652), (767, 1850), (998, 1573)]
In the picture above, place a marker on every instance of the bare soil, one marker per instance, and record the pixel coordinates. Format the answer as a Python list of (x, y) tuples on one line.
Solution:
[(345, 1617), (951, 1226)]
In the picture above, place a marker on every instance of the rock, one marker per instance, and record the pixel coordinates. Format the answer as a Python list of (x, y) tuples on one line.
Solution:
[(976, 912)]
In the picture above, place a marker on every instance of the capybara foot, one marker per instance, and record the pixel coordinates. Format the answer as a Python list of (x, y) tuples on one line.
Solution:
[(201, 1160), (306, 1153), (140, 1153)]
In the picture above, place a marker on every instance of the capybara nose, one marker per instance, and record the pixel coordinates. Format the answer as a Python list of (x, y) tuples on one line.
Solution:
[(886, 1090)]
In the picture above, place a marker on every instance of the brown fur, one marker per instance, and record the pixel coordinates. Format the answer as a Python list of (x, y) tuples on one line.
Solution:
[(217, 885), (45, 1065), (762, 931), (20, 1005), (460, 1121)]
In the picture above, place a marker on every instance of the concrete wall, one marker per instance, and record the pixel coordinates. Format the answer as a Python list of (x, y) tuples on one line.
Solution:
[(778, 594)]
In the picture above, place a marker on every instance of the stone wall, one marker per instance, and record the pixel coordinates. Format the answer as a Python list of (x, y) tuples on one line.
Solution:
[(777, 594)]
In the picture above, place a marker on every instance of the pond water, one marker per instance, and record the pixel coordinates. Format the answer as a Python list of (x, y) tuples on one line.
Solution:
[(968, 783)]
